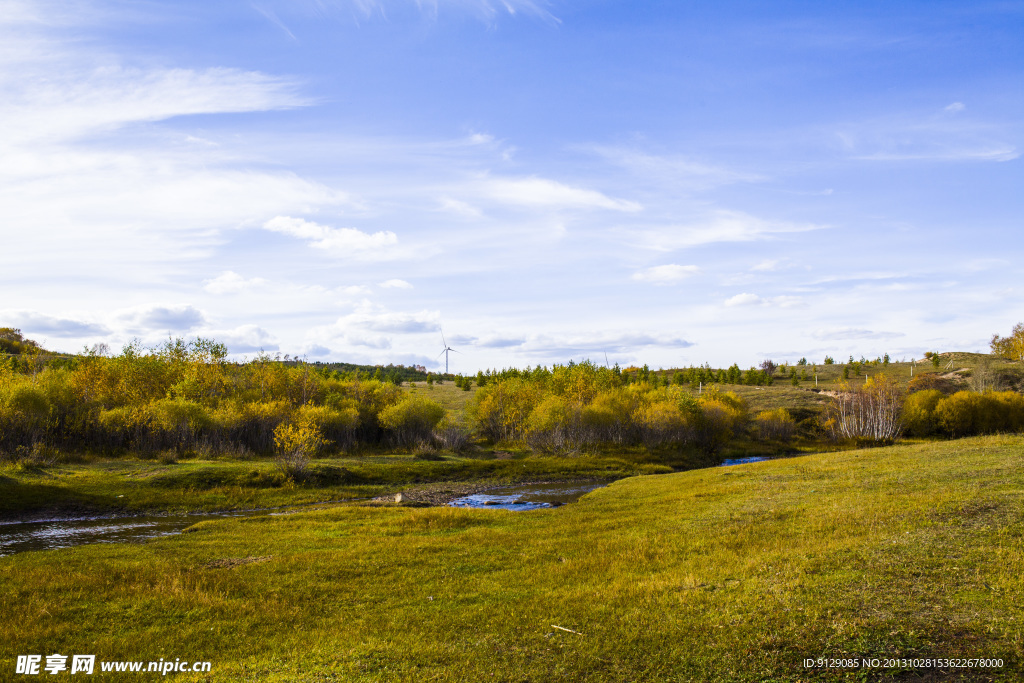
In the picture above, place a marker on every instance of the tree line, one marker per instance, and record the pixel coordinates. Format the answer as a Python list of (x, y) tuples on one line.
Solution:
[(185, 396)]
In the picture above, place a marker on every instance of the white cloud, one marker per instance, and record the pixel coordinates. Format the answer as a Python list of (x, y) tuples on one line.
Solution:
[(76, 100), (541, 192), (246, 339), (501, 342), (748, 299), (595, 345), (744, 299), (485, 10), (721, 226), (317, 351), (334, 239), (89, 176), (666, 274), (354, 290), (767, 265), (173, 318), (854, 333), (928, 137), (367, 318), (32, 323), (230, 282), (396, 284), (460, 208), (677, 171)]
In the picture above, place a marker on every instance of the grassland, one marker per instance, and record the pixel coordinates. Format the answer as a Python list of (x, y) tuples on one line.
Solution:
[(451, 397), (130, 486), (727, 574)]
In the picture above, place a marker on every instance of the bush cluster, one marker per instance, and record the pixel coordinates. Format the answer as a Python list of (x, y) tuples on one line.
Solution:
[(185, 396), (578, 405), (964, 413)]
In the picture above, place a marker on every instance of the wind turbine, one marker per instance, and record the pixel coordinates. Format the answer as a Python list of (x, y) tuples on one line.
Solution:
[(445, 352)]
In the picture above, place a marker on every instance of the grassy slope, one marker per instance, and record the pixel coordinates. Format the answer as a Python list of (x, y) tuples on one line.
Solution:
[(716, 574)]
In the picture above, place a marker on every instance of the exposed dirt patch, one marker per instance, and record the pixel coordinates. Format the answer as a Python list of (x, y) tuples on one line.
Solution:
[(433, 494), (231, 562), (974, 514), (442, 493)]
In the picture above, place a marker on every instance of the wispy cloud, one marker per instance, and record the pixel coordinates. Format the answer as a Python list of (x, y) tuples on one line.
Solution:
[(342, 240), (78, 100), (272, 17), (396, 284), (488, 11), (230, 282), (928, 137), (720, 226), (596, 345), (666, 274), (767, 265), (543, 192), (748, 299), (460, 208), (370, 318), (678, 171), (854, 333)]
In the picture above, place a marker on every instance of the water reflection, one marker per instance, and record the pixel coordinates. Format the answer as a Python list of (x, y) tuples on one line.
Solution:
[(527, 496), (742, 461), (17, 537)]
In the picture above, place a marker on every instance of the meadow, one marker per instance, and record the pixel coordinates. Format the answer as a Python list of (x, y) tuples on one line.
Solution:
[(887, 527), (717, 574)]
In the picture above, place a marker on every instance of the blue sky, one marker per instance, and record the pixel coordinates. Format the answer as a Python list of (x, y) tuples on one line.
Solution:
[(661, 182)]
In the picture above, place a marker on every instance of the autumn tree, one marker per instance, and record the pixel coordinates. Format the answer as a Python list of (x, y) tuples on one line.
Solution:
[(1011, 346)]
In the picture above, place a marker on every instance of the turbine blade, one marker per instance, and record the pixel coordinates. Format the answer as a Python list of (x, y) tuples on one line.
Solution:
[(442, 336)]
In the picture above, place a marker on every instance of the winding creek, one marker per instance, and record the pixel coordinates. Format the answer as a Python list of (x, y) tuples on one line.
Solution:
[(51, 534)]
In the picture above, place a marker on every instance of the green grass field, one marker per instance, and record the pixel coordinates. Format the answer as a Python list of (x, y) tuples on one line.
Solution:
[(729, 574)]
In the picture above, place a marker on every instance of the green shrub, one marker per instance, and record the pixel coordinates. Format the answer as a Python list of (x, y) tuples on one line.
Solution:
[(550, 426), (665, 421), (717, 422), (296, 444), (337, 423), (919, 412), (451, 434), (412, 420), (775, 425), (28, 401)]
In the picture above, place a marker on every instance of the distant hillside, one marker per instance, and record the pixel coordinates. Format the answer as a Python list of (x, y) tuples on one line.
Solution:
[(12, 341)]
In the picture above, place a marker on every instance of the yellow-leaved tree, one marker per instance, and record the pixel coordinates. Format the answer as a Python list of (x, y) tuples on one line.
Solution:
[(1011, 346)]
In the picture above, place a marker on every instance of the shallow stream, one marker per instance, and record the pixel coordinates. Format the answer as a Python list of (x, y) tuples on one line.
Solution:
[(728, 462), (527, 496), (48, 534)]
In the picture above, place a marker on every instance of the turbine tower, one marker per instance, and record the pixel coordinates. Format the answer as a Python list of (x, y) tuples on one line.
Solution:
[(445, 352)]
